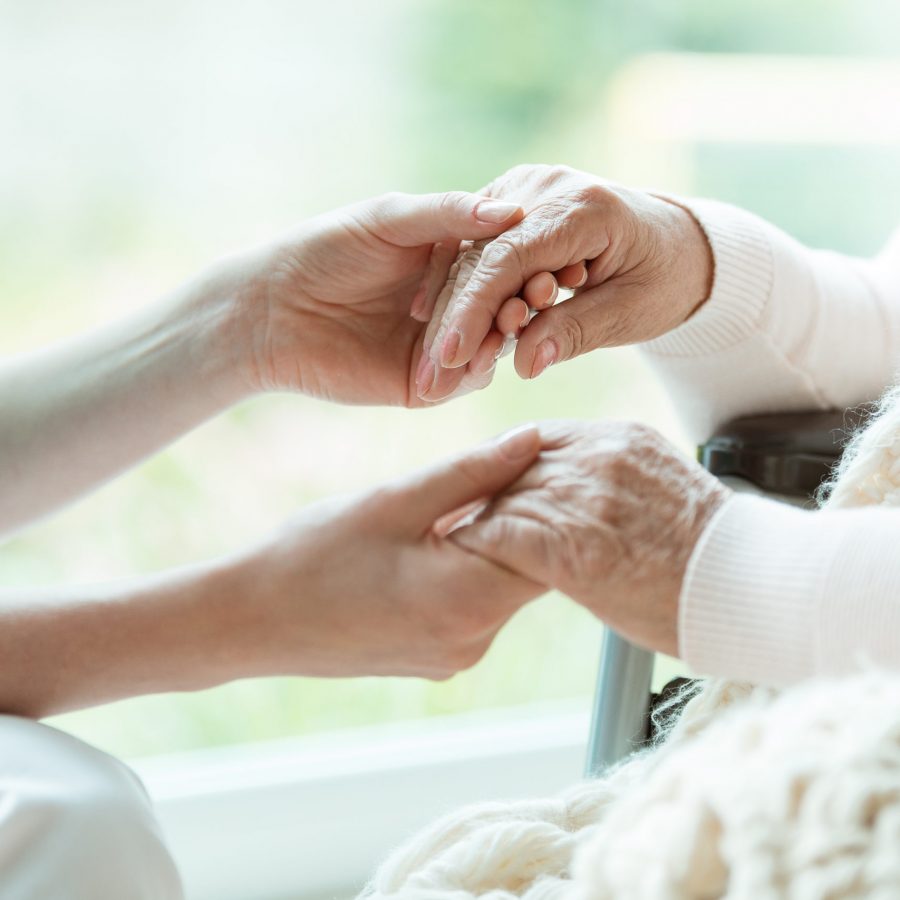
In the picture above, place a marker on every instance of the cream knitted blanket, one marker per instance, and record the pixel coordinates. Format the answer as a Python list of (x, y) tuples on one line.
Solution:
[(755, 794)]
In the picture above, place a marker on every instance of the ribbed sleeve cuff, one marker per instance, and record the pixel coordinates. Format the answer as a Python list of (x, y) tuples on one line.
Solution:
[(753, 590), (742, 282)]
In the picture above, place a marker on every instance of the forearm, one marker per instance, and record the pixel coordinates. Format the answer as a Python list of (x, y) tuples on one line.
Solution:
[(775, 594), (76, 414), (70, 647), (786, 327)]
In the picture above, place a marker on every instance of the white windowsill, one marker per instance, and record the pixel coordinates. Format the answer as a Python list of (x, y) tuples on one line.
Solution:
[(312, 817)]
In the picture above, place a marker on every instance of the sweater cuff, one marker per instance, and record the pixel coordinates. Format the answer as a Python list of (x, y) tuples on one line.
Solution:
[(742, 282), (753, 590)]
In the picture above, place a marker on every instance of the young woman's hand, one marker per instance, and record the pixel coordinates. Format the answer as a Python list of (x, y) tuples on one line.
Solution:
[(339, 309), (364, 585)]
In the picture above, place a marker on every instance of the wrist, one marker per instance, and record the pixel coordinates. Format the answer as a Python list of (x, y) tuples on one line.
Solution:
[(695, 258), (265, 599), (233, 298)]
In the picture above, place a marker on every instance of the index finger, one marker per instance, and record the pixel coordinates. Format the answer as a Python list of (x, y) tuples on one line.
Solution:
[(473, 306), (536, 244)]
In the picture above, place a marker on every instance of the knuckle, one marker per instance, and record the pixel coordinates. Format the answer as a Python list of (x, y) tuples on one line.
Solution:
[(503, 253), (559, 171), (592, 194), (391, 200), (634, 443), (451, 202), (570, 336), (637, 434)]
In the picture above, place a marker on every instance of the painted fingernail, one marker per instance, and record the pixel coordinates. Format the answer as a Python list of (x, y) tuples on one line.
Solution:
[(493, 212), (518, 444), (544, 357), (450, 347)]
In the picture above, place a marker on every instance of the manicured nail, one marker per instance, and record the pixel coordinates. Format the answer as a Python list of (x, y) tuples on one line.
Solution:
[(519, 443), (450, 347), (550, 299), (493, 212), (425, 378), (544, 357)]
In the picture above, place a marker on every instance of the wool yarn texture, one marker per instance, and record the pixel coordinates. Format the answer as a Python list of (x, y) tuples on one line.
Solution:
[(754, 794)]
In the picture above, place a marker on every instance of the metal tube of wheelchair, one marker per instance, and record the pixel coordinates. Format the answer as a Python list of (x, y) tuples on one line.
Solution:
[(619, 717)]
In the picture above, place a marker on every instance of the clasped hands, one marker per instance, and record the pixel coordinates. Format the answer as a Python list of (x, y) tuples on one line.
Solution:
[(411, 300)]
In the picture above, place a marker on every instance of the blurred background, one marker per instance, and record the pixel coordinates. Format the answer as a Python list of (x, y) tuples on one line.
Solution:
[(138, 141)]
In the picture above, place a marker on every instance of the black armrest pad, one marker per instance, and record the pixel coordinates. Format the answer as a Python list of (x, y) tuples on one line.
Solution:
[(783, 453)]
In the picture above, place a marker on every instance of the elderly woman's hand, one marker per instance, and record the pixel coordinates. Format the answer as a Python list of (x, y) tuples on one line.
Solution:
[(609, 514), (639, 266)]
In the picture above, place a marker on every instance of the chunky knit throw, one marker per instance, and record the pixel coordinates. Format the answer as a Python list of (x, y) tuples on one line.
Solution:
[(755, 793)]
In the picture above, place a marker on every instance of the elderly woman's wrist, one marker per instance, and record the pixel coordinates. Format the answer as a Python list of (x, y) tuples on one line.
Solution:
[(694, 259)]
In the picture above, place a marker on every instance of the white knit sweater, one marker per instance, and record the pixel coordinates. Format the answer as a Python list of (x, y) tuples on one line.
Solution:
[(775, 594)]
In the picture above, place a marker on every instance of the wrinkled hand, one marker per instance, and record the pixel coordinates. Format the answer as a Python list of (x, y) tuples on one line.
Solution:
[(609, 514), (639, 266), (338, 309), (364, 585)]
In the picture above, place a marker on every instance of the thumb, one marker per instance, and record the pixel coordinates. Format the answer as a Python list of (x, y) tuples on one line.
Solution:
[(410, 220), (605, 316), (478, 474)]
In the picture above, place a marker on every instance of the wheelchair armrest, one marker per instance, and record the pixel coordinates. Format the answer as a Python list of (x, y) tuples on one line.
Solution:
[(789, 454)]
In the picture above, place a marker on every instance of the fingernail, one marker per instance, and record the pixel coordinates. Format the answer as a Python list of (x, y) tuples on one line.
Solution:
[(425, 379), (519, 443), (450, 347), (498, 353), (544, 357), (493, 212), (583, 279)]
